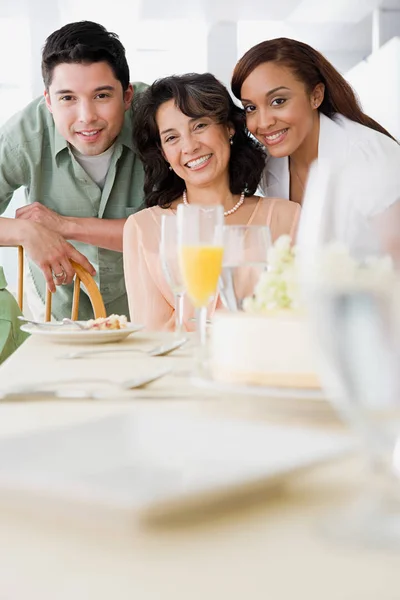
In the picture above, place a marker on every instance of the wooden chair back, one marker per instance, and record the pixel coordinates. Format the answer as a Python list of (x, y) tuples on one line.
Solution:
[(81, 277)]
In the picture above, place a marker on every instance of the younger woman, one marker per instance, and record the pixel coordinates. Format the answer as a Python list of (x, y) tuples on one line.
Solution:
[(300, 108)]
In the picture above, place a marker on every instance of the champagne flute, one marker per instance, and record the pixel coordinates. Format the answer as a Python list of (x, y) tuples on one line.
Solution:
[(170, 266), (351, 284), (245, 258), (200, 235)]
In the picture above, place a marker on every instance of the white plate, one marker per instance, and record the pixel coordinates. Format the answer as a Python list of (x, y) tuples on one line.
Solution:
[(147, 465), (68, 334), (316, 396)]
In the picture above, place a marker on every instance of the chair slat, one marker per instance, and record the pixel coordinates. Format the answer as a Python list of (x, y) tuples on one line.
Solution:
[(81, 277), (20, 291), (75, 298), (47, 316)]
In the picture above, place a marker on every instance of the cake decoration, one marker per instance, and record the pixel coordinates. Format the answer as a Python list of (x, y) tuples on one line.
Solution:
[(111, 322)]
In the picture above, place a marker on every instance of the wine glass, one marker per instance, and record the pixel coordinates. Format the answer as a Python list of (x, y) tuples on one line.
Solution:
[(170, 266), (200, 238), (245, 258), (349, 257)]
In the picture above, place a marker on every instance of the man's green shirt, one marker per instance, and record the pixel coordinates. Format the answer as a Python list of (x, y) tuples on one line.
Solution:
[(35, 156)]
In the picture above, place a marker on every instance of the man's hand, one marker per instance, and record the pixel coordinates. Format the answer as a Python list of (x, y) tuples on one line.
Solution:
[(52, 253), (44, 216)]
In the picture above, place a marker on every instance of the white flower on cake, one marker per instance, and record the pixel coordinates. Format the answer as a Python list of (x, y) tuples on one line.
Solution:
[(278, 288)]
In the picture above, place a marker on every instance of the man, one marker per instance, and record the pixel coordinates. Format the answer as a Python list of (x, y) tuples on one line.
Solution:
[(72, 151)]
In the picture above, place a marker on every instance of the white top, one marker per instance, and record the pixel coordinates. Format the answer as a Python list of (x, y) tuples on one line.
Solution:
[(95, 166), (357, 167), (340, 141)]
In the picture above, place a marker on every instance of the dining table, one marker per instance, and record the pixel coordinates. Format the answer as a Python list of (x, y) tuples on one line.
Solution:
[(269, 543)]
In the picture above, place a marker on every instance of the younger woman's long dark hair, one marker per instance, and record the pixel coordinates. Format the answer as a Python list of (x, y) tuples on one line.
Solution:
[(310, 67), (196, 96)]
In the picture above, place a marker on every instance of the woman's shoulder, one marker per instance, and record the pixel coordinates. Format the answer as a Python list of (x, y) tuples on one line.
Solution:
[(280, 215), (144, 228), (346, 142), (146, 217), (360, 135), (285, 210), (270, 205)]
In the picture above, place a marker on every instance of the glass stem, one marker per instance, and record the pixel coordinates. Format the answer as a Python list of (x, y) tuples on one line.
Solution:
[(179, 314), (201, 325), (201, 346)]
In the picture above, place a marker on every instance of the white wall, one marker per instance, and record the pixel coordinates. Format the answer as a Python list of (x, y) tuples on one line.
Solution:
[(376, 80), (385, 26), (222, 51), (15, 93)]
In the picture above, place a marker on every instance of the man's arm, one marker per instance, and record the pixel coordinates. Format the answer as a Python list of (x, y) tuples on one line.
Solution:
[(104, 233), (48, 249)]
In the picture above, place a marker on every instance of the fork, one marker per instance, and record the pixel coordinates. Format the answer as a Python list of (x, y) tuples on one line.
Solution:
[(161, 350), (65, 321), (80, 392)]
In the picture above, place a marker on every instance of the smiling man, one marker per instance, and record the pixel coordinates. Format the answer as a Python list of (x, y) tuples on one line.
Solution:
[(72, 152)]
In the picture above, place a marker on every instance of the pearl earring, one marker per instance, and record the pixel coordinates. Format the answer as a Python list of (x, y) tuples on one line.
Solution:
[(170, 168), (231, 140)]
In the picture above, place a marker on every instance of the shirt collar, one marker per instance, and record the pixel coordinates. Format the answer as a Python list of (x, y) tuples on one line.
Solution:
[(124, 137), (60, 143), (277, 176), (333, 139)]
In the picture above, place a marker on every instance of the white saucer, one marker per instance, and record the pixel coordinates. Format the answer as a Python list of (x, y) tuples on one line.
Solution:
[(69, 334)]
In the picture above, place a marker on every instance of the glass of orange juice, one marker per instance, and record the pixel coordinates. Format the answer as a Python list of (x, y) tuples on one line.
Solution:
[(201, 248)]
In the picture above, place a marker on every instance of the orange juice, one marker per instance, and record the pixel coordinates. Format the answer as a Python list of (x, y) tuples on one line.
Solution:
[(201, 267)]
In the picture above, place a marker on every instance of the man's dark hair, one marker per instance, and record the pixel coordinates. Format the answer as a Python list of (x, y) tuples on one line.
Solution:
[(84, 42), (196, 96)]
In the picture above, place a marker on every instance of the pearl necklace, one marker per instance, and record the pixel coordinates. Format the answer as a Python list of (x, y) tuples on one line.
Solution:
[(226, 212)]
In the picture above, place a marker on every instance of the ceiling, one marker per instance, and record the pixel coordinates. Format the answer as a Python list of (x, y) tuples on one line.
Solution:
[(311, 11), (341, 29)]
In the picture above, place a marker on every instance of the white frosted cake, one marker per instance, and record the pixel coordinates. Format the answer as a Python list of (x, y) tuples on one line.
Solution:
[(269, 342), (269, 349)]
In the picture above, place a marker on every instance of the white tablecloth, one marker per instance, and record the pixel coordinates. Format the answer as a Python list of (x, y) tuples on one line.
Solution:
[(265, 546)]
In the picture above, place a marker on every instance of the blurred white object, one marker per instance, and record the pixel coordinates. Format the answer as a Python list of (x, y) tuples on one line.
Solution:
[(353, 302), (150, 465), (347, 202)]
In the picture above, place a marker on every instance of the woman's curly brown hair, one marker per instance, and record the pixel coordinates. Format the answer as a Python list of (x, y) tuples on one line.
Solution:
[(197, 96)]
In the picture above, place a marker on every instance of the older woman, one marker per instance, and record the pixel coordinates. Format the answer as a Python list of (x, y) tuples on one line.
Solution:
[(194, 146)]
